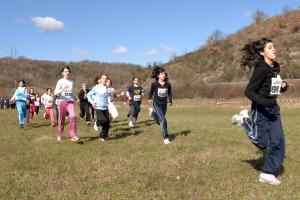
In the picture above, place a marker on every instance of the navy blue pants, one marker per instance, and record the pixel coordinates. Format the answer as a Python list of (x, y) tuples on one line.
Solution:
[(265, 131), (160, 118), (135, 110)]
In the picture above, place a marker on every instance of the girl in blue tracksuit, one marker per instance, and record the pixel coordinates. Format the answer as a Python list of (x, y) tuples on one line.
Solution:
[(21, 96), (99, 97), (263, 127), (161, 92)]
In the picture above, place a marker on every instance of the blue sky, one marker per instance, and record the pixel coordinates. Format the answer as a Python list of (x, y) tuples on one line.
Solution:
[(132, 31)]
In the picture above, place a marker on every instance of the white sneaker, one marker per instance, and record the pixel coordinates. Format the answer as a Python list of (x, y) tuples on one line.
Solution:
[(131, 124), (269, 178), (237, 119), (101, 140), (95, 127), (44, 115), (150, 111), (75, 139), (58, 138), (166, 141), (244, 113), (88, 123)]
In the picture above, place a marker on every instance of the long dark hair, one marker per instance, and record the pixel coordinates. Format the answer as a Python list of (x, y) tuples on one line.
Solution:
[(156, 71), (251, 53), (66, 67)]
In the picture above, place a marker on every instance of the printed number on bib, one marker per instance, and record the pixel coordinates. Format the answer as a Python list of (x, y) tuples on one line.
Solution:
[(162, 92), (137, 97), (68, 93), (276, 86)]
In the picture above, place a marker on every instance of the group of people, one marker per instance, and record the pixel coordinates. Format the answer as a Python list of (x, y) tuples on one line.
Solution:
[(6, 103), (96, 104), (262, 126)]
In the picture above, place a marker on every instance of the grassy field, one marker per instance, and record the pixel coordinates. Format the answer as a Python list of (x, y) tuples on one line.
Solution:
[(207, 159)]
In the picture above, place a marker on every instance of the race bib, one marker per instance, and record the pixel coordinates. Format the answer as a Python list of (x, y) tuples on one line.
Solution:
[(162, 92), (68, 93), (276, 85), (137, 97)]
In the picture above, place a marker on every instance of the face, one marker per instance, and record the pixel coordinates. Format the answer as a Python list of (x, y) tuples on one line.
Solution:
[(269, 51), (49, 91), (103, 80), (162, 76), (108, 83), (84, 87), (136, 81), (21, 84), (66, 73), (31, 91)]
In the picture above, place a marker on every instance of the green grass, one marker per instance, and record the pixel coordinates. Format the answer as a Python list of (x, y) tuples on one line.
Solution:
[(208, 159)]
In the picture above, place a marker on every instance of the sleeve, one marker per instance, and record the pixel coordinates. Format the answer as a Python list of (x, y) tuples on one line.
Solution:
[(58, 88), (80, 95), (130, 92), (170, 95), (151, 91), (13, 98), (254, 84), (90, 94)]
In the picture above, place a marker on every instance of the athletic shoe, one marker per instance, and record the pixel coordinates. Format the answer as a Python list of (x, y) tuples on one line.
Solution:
[(58, 138), (101, 139), (88, 123), (21, 126), (150, 111), (244, 113), (131, 124), (237, 119), (52, 125), (166, 141), (44, 115), (95, 127), (75, 139), (269, 178)]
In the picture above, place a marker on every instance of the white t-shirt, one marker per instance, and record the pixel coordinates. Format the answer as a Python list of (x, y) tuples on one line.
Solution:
[(48, 100), (65, 90)]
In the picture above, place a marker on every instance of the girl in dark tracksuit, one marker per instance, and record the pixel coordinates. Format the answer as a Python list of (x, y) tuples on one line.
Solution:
[(162, 92), (263, 127), (84, 104), (135, 94)]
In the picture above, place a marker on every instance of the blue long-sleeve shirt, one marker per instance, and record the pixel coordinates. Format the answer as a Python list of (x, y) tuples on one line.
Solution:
[(21, 94), (99, 95)]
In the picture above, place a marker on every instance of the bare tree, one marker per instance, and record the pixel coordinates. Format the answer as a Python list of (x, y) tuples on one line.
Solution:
[(215, 37)]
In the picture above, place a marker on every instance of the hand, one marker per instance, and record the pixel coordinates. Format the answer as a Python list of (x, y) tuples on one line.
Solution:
[(150, 101), (170, 103), (289, 85), (65, 88), (94, 105)]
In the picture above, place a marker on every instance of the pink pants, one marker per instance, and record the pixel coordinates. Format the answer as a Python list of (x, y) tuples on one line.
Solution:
[(31, 110), (50, 113), (63, 107)]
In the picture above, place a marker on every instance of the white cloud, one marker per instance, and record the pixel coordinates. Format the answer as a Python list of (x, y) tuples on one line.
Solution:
[(120, 50), (168, 48), (151, 53), (49, 24), (248, 13), (79, 51)]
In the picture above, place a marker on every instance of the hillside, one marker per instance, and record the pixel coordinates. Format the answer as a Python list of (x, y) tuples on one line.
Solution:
[(219, 59)]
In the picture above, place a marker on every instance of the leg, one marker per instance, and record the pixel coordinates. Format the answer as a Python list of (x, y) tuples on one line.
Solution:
[(87, 112), (82, 110), (103, 120), (52, 118), (160, 110), (32, 107), (72, 118), (20, 107), (62, 110), (276, 148)]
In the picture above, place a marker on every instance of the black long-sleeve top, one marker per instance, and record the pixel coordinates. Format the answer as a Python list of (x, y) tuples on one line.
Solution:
[(259, 87), (162, 93), (83, 95)]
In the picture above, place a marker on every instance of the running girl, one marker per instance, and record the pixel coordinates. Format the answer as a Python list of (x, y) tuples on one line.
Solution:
[(99, 97), (135, 94), (37, 103), (32, 100), (48, 102), (66, 95), (162, 92), (84, 104), (263, 127), (21, 95)]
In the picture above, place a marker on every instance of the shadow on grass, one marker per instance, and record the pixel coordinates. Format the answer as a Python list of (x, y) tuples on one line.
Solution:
[(35, 125), (88, 139), (257, 164), (146, 122), (181, 133)]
